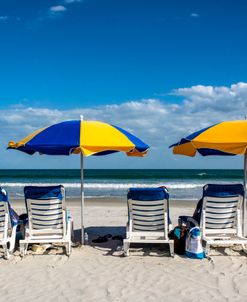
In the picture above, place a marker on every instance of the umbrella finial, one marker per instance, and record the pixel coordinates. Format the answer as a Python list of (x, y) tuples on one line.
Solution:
[(81, 117)]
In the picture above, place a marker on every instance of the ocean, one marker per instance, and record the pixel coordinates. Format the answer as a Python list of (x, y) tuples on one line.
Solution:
[(181, 183)]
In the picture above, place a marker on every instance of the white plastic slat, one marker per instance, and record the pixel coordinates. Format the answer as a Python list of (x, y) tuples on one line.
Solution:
[(40, 221), (148, 213), (222, 199), (221, 215), (45, 201), (47, 217), (44, 226), (222, 221), (148, 218), (219, 225), (221, 231), (47, 222), (158, 222), (221, 211), (223, 205), (150, 228), (46, 206), (2, 219), (148, 209), (3, 206), (147, 203), (48, 212)]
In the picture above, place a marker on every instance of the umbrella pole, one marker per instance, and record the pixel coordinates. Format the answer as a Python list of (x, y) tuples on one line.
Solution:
[(245, 194), (82, 201)]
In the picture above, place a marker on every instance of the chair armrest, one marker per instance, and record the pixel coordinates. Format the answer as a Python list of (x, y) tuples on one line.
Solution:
[(69, 222)]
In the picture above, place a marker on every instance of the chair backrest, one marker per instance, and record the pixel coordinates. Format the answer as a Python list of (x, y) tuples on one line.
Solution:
[(4, 209), (221, 212), (45, 209), (148, 209)]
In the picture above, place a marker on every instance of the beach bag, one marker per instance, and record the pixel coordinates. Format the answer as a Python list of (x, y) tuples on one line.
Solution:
[(193, 244), (179, 235)]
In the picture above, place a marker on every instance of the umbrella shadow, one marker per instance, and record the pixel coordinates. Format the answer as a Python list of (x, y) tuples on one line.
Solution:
[(113, 245), (112, 235)]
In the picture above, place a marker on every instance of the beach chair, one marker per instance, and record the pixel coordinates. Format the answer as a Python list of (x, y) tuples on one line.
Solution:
[(219, 215), (48, 220), (8, 225), (148, 211)]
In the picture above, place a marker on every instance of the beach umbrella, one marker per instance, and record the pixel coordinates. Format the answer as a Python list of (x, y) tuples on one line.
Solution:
[(227, 138), (81, 137)]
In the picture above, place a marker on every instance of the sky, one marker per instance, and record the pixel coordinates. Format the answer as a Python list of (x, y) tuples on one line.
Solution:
[(158, 68)]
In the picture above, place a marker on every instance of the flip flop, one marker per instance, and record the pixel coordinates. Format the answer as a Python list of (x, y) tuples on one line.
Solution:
[(102, 239)]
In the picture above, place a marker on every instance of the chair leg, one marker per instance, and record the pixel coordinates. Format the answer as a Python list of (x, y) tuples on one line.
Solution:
[(12, 241), (9, 246), (72, 235), (126, 246), (68, 248), (23, 249), (171, 246), (207, 249), (6, 251)]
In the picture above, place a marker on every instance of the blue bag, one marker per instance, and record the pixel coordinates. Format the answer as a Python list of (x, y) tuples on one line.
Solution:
[(193, 245)]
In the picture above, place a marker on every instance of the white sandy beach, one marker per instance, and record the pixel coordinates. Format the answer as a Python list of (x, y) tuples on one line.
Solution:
[(98, 272)]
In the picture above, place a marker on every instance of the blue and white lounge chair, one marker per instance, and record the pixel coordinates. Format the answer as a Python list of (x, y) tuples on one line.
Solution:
[(48, 221), (8, 225), (148, 218), (219, 215)]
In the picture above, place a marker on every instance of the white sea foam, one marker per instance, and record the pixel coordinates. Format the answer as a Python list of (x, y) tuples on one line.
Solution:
[(112, 186)]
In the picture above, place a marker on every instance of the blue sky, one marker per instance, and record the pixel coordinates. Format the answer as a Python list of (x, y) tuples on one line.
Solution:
[(67, 57)]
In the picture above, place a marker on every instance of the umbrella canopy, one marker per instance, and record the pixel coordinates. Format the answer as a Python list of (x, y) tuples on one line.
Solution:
[(226, 138), (87, 137), (81, 137)]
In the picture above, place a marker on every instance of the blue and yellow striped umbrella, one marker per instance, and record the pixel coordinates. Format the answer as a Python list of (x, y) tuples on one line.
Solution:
[(225, 138), (81, 137), (86, 137)]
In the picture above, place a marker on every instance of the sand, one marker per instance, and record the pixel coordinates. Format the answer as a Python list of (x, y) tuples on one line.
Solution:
[(98, 272)]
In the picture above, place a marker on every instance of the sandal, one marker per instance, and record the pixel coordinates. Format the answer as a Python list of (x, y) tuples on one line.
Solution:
[(102, 239)]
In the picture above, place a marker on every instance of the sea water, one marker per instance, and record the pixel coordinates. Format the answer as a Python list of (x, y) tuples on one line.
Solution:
[(181, 183)]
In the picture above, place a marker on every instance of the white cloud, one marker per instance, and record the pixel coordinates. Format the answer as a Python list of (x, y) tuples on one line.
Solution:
[(3, 18), (194, 15), (57, 9), (223, 100), (158, 123)]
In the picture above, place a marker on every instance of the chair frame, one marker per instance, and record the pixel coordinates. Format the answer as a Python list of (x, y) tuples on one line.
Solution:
[(157, 237), (222, 236), (47, 235), (8, 233)]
